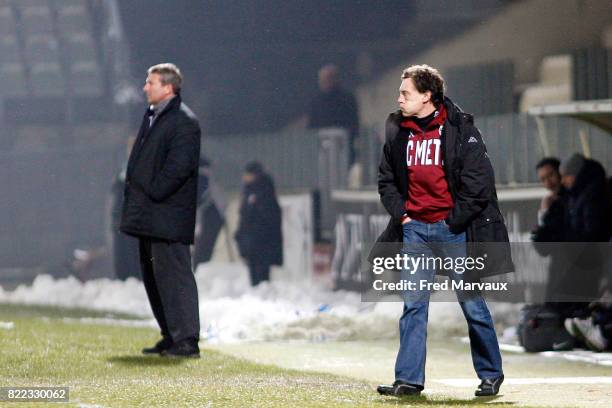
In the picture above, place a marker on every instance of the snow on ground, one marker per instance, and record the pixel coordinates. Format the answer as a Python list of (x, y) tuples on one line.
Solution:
[(7, 325), (231, 310)]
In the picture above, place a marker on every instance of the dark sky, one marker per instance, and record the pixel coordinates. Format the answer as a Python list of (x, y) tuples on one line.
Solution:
[(251, 65)]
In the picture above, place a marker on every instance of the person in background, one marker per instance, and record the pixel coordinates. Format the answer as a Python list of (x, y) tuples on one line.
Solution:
[(586, 222), (334, 106), (595, 330), (125, 247), (588, 209), (259, 235), (211, 207), (549, 176), (551, 228)]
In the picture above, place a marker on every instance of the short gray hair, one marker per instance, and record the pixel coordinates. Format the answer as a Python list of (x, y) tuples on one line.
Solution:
[(169, 74)]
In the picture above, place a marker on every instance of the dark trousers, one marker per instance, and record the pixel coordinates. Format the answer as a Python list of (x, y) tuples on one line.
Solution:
[(125, 256), (171, 288), (258, 272)]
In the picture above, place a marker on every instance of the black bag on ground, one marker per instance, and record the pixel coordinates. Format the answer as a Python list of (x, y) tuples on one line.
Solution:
[(541, 329)]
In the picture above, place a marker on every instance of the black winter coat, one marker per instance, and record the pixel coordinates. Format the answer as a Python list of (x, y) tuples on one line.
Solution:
[(162, 177), (259, 235), (471, 183), (553, 223), (588, 206), (580, 216)]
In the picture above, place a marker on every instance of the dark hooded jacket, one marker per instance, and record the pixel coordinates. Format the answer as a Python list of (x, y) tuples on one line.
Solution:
[(471, 182), (579, 218), (588, 206), (586, 221)]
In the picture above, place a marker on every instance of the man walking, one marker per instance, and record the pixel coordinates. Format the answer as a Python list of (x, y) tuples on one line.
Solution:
[(437, 183), (160, 210)]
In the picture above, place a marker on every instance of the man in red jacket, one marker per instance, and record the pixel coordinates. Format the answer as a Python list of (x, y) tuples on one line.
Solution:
[(436, 181)]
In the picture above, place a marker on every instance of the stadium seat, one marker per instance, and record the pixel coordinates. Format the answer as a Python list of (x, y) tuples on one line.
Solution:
[(81, 48), (13, 79), (556, 69), (9, 50), (42, 48), (555, 84), (86, 79), (47, 79), (35, 17), (73, 18)]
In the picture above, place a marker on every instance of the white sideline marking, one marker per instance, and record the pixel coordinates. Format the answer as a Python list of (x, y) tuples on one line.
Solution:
[(604, 359), (468, 382), (110, 321), (583, 356)]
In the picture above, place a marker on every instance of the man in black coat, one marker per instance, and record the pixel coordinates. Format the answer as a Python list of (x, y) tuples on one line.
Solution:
[(587, 221), (160, 210), (259, 235), (437, 183), (588, 207), (551, 226)]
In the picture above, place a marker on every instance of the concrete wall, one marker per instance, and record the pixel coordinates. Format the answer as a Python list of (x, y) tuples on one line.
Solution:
[(524, 32)]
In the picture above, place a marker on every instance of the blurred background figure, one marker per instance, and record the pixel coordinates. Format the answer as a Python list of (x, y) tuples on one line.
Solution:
[(551, 221), (210, 216), (333, 106), (588, 211), (259, 234), (594, 331), (549, 176), (576, 211), (125, 248), (586, 219), (589, 220)]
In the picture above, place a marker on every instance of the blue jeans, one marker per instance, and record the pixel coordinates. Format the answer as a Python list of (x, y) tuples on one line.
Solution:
[(410, 363)]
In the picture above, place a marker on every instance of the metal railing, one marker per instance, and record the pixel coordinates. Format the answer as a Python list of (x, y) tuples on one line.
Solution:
[(515, 145)]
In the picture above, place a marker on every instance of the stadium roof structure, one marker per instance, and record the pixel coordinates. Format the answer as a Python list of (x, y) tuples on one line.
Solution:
[(595, 112)]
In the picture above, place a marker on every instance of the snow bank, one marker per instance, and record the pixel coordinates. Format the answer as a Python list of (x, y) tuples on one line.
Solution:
[(231, 310)]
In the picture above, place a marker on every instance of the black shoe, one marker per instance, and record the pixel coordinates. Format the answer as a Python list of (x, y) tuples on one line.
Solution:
[(489, 386), (399, 389), (164, 344), (183, 349)]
